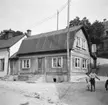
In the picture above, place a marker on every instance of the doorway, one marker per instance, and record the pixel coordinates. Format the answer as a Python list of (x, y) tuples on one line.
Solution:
[(41, 65)]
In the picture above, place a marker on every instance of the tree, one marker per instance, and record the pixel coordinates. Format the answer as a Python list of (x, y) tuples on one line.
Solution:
[(94, 30), (75, 22), (97, 31), (5, 34)]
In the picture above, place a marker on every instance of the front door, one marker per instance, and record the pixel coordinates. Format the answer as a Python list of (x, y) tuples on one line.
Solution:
[(41, 63)]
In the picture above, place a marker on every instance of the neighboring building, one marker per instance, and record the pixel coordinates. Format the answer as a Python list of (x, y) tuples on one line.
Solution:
[(8, 46), (46, 54)]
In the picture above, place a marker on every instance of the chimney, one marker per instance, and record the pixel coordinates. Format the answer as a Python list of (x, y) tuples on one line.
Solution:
[(28, 34)]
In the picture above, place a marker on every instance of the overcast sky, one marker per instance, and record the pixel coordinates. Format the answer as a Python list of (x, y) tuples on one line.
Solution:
[(25, 14)]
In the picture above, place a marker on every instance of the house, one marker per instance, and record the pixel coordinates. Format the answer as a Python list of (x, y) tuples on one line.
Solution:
[(46, 54), (8, 46)]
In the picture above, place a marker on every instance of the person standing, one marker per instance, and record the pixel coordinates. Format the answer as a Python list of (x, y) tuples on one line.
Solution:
[(92, 79), (88, 81)]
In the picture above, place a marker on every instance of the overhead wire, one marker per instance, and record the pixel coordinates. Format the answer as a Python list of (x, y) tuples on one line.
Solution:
[(50, 17)]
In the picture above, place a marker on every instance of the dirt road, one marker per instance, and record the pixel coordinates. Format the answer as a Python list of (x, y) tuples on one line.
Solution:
[(12, 93), (77, 94)]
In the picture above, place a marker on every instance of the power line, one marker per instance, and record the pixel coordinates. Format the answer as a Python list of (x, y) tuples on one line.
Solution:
[(44, 20), (50, 17)]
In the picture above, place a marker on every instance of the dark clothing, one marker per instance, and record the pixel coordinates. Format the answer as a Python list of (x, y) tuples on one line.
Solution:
[(106, 84), (92, 81)]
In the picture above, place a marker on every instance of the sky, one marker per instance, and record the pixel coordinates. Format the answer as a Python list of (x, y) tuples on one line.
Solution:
[(30, 14)]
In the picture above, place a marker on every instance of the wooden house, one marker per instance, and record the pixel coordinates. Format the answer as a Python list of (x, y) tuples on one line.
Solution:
[(46, 54)]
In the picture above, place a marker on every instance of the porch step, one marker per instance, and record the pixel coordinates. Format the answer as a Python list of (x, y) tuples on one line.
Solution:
[(10, 78), (23, 77), (36, 78)]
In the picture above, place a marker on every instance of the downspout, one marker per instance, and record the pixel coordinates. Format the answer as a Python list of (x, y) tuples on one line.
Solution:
[(8, 67)]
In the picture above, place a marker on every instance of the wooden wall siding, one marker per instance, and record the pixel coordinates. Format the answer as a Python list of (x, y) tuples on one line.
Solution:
[(14, 67), (51, 70), (33, 66), (42, 69)]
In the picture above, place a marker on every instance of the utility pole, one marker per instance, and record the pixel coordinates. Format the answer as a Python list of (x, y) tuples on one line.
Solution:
[(68, 59), (57, 19)]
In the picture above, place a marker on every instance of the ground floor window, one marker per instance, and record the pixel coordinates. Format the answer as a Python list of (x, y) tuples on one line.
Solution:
[(25, 63), (77, 62), (57, 62), (84, 63), (2, 64)]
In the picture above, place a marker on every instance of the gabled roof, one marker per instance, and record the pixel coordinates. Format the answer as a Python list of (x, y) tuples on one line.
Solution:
[(9, 42), (51, 41)]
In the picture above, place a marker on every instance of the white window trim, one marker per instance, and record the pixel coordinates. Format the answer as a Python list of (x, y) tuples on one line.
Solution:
[(26, 64), (78, 41), (83, 44), (85, 64), (57, 58), (77, 62)]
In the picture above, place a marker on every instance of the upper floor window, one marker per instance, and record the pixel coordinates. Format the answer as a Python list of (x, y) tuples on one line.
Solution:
[(77, 62), (78, 42), (83, 44), (2, 64), (57, 62), (26, 63)]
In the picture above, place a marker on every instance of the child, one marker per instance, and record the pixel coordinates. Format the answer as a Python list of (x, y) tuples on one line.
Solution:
[(88, 81), (92, 79), (87, 78)]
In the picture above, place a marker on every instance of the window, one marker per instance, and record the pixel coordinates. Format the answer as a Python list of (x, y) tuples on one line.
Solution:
[(57, 62), (84, 63), (83, 44), (77, 62), (2, 64), (26, 63), (78, 42)]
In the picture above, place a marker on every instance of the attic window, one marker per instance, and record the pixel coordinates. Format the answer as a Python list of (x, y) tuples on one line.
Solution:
[(83, 44), (78, 42)]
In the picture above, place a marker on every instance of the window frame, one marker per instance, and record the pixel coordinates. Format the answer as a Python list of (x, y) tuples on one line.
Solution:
[(77, 61), (24, 66), (85, 63), (78, 41), (84, 44), (57, 60)]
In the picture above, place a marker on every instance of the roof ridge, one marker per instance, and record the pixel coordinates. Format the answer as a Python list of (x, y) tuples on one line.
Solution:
[(56, 32)]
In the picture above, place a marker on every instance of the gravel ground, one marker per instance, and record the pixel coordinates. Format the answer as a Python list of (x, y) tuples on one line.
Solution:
[(75, 93)]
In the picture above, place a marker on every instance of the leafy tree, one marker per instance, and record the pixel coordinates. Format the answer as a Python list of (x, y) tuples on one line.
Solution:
[(5, 34), (97, 31), (94, 30)]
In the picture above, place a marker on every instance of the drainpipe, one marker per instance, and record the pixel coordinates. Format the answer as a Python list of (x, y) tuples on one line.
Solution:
[(8, 64)]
